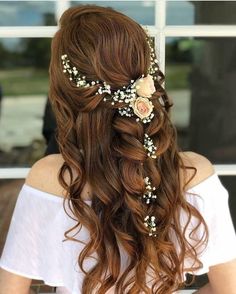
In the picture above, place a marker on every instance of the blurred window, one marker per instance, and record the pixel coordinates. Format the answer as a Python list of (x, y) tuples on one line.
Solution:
[(200, 78), (201, 12), (24, 87), (141, 11), (27, 13)]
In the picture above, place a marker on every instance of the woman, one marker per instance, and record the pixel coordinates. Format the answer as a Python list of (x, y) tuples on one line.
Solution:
[(120, 209)]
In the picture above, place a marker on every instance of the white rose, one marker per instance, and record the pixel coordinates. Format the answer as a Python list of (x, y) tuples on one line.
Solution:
[(145, 86)]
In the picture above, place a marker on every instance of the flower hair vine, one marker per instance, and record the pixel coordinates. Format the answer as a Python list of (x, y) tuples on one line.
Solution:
[(74, 74), (136, 97)]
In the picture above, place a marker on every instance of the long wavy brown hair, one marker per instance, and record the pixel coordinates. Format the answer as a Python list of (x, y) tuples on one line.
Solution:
[(105, 149)]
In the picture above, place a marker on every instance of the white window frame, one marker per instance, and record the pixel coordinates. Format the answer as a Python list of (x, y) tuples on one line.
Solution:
[(159, 30)]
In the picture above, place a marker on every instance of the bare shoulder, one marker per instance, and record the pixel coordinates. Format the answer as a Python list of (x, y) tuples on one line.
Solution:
[(222, 277), (43, 174), (203, 166)]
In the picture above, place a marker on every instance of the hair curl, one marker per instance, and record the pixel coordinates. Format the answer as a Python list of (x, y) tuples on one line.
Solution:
[(104, 149)]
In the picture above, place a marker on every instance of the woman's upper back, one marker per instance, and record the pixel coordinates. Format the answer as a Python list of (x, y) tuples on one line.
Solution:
[(44, 173)]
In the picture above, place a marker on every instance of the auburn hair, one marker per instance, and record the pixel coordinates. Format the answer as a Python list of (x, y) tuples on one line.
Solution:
[(105, 149)]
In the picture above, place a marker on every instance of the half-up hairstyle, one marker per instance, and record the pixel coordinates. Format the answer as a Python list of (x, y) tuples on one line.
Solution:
[(105, 149)]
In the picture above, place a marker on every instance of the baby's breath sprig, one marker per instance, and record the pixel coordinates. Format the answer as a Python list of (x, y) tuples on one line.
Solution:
[(153, 68), (126, 111), (149, 195), (125, 94), (149, 146), (150, 222), (74, 74), (104, 89)]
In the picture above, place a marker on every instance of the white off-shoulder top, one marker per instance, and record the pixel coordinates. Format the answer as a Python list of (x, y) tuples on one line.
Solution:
[(34, 246)]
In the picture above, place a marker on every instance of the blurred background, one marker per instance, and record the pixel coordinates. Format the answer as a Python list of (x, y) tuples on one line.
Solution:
[(196, 48)]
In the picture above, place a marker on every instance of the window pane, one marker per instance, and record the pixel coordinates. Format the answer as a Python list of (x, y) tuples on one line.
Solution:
[(27, 13), (202, 86), (141, 11), (200, 79), (201, 12), (24, 87)]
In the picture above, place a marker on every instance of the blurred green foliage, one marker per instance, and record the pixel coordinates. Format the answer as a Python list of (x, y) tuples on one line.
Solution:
[(24, 70), (177, 76), (24, 81)]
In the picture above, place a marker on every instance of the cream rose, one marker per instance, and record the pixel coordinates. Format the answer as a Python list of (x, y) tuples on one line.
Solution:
[(142, 107), (145, 86)]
